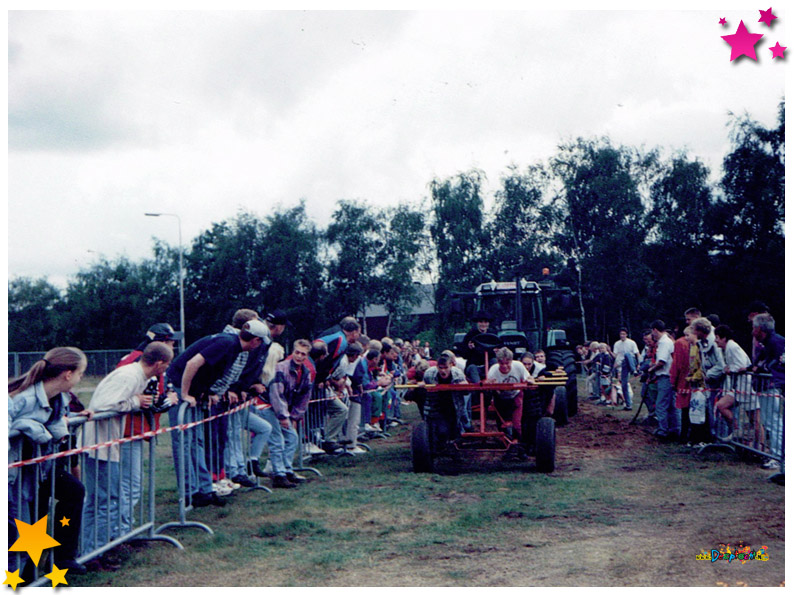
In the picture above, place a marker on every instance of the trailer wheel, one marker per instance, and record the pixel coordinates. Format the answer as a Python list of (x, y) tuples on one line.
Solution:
[(545, 445), (560, 406), (421, 451)]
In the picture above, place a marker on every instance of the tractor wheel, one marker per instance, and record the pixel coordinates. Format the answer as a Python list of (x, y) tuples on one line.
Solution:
[(560, 406), (545, 445), (421, 451), (566, 360)]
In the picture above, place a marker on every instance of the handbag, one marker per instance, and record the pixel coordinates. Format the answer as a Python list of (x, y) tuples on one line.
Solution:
[(697, 407)]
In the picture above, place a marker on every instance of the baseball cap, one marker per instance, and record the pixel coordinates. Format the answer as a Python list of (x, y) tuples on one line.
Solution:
[(258, 329), (162, 331), (277, 317)]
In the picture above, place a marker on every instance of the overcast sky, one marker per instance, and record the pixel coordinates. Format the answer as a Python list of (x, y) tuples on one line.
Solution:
[(206, 113)]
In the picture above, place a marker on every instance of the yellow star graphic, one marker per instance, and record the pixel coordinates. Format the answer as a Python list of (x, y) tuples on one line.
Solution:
[(57, 576), (33, 539), (12, 579), (64, 522)]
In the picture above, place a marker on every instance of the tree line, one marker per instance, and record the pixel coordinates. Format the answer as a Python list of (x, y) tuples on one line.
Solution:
[(636, 236)]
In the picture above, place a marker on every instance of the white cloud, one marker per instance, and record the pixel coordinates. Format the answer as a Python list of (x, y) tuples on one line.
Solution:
[(114, 114)]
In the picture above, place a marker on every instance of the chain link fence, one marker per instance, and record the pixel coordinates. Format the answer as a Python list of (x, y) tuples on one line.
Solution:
[(101, 362)]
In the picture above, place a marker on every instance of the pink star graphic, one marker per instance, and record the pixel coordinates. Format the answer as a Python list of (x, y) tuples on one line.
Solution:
[(777, 51), (767, 17), (723, 22), (743, 42)]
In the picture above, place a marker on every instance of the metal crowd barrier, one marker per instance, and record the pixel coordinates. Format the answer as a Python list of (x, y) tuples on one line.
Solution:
[(758, 418), (104, 519), (195, 437)]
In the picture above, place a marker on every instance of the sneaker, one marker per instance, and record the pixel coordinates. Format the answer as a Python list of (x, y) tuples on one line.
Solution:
[(280, 481), (331, 447), (221, 489), (357, 450), (295, 478), (393, 424), (312, 449), (244, 481), (770, 464), (371, 428), (727, 438), (627, 408), (602, 402), (229, 483)]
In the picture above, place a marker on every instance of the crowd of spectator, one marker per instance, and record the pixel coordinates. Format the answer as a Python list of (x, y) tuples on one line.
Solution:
[(691, 377), (698, 383)]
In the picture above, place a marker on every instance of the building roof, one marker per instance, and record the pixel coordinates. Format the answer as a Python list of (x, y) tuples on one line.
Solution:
[(426, 305)]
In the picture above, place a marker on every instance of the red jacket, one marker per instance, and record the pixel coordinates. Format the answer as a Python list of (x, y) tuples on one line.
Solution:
[(679, 371)]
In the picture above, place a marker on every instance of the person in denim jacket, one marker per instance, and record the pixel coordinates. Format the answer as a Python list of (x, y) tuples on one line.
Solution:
[(37, 409)]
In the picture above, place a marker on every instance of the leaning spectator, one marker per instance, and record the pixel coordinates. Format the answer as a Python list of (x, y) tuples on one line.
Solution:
[(116, 472), (193, 373), (37, 408), (738, 385), (288, 395), (770, 359)]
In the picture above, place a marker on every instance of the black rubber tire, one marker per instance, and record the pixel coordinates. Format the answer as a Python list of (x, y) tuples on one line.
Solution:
[(566, 359), (560, 406), (545, 445), (421, 451)]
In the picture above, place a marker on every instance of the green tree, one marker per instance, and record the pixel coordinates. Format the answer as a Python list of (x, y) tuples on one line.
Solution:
[(516, 235), (748, 258), (598, 220), (402, 256), (356, 238), (457, 232), (33, 319)]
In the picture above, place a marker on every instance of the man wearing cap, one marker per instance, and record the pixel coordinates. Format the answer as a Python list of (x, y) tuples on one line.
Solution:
[(475, 360), (276, 322), (233, 387), (194, 372)]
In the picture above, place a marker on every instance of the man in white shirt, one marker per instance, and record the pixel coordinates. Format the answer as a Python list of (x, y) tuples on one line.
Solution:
[(509, 403), (114, 474), (626, 357), (668, 416)]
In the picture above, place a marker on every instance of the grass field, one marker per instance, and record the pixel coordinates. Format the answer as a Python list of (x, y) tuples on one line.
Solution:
[(619, 510)]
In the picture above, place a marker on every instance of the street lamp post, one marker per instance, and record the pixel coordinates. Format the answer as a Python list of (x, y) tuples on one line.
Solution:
[(181, 277)]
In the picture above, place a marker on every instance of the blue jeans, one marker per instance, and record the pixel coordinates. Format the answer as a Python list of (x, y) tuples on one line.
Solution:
[(627, 368), (197, 475), (668, 416), (116, 486), (259, 426), (772, 420), (283, 443)]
